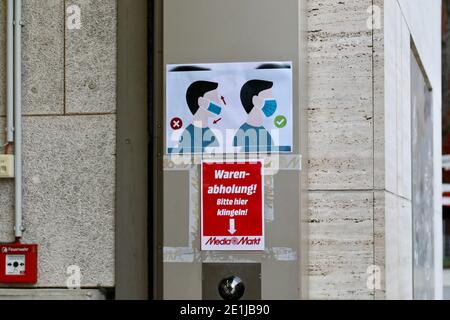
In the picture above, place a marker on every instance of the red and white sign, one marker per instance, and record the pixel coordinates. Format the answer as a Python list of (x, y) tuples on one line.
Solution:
[(232, 206), (18, 263)]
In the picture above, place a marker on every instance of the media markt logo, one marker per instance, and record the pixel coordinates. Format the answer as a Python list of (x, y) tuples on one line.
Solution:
[(245, 241)]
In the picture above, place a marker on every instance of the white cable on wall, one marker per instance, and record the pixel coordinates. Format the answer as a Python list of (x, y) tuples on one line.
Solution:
[(18, 115), (10, 72)]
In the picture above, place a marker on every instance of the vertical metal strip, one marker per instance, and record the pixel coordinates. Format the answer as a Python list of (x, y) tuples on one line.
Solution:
[(158, 175), (18, 114), (10, 72)]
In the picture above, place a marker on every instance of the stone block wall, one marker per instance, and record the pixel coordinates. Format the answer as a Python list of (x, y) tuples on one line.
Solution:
[(341, 149), (69, 128), (360, 143)]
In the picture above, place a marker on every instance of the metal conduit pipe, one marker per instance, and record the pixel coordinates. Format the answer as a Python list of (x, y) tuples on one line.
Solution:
[(18, 115), (10, 72)]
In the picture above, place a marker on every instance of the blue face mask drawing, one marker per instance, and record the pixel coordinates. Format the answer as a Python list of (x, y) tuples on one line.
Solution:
[(214, 108), (269, 108)]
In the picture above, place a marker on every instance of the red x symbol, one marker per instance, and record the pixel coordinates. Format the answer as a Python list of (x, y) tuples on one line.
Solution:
[(176, 123)]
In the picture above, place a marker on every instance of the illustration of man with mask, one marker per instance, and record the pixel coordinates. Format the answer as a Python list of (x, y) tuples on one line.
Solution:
[(258, 102), (203, 100)]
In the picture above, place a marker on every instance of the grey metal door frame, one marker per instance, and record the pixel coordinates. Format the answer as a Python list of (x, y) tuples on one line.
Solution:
[(133, 203)]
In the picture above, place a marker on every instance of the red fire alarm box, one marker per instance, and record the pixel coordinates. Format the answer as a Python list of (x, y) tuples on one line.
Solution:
[(18, 263)]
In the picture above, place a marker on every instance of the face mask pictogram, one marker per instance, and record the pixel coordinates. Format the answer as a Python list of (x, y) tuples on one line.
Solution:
[(269, 108), (214, 108)]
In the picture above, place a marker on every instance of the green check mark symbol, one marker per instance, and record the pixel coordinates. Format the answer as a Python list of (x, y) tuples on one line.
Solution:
[(280, 122)]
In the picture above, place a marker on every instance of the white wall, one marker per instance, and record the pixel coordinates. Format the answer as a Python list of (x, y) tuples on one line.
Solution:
[(421, 21)]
